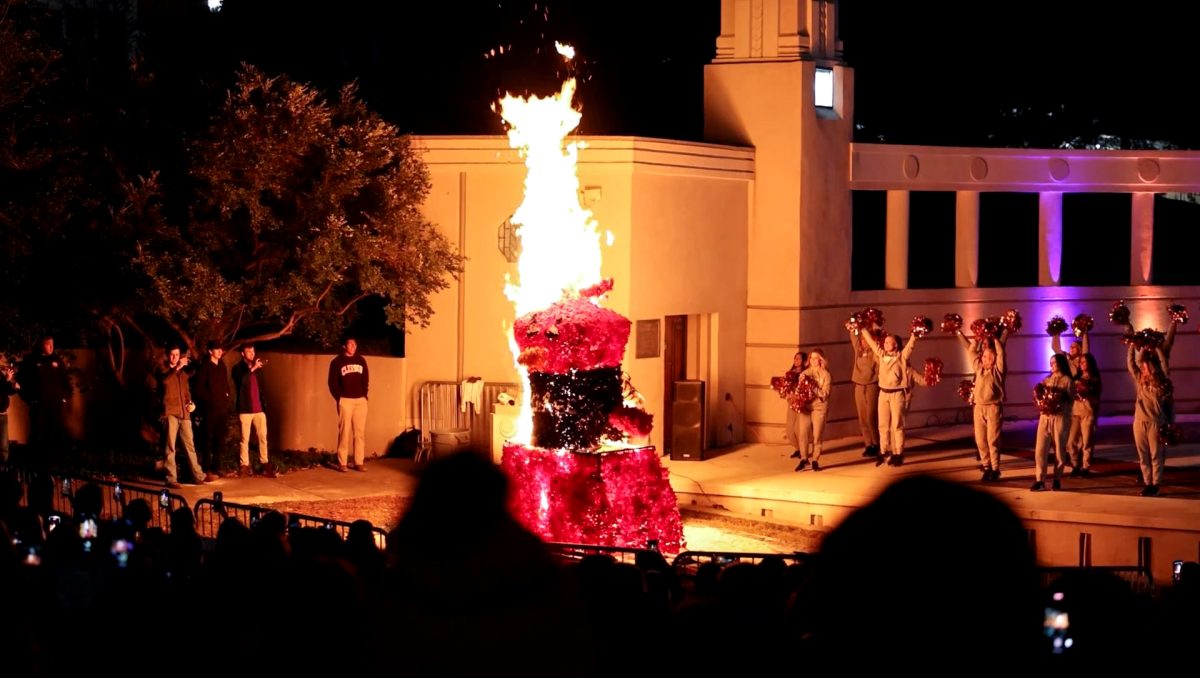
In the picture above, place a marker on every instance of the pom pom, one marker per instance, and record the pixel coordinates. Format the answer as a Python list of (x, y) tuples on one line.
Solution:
[(1049, 399), (799, 393), (1178, 313), (986, 328), (1087, 389), (1056, 326), (873, 316), (1011, 320), (1170, 434), (1119, 315), (933, 371), (598, 290), (952, 323), (1144, 339), (966, 390), (1082, 325), (854, 322), (921, 326), (576, 335)]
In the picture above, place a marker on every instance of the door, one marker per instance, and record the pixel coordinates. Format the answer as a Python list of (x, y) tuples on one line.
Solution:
[(674, 369)]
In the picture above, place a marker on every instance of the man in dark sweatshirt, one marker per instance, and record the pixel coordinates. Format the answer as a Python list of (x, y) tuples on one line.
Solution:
[(348, 383), (213, 392)]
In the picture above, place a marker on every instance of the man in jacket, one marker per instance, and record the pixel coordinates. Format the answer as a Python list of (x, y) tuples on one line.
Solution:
[(178, 408), (214, 396), (46, 388), (250, 388)]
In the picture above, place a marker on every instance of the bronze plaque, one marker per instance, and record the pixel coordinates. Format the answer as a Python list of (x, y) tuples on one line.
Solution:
[(649, 343)]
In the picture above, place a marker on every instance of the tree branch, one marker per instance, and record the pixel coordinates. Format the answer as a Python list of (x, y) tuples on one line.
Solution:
[(350, 304)]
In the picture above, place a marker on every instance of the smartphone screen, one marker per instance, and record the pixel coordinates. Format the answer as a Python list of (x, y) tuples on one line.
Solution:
[(120, 551), (1057, 626), (164, 499), (33, 556), (88, 529), (1176, 569)]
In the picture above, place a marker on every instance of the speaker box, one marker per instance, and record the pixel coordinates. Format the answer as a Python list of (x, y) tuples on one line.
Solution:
[(688, 426)]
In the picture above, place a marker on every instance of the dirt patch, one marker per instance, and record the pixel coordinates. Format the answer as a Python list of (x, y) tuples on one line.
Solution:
[(383, 511)]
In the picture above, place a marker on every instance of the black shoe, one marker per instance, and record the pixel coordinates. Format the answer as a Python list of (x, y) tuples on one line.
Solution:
[(1056, 486), (871, 451), (897, 460), (995, 475), (1150, 491), (1085, 472), (879, 459), (867, 451), (816, 466), (796, 454), (802, 465), (1076, 472), (1037, 486), (987, 475)]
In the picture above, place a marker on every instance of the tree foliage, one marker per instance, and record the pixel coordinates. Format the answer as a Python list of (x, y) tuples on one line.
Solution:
[(299, 208)]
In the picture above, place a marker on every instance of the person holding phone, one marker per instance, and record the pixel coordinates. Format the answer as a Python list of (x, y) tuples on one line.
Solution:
[(214, 396), (250, 388), (177, 408)]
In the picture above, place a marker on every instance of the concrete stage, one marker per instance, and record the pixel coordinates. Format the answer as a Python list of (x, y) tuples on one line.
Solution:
[(1101, 520)]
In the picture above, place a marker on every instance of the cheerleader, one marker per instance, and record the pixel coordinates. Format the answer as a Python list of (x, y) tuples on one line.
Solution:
[(799, 362), (1054, 425), (893, 394), (1075, 352), (1081, 441), (866, 393), (812, 421), (990, 367), (1149, 414)]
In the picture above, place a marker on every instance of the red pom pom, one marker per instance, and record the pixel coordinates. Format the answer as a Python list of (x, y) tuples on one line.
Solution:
[(966, 390), (1087, 389), (1144, 339), (933, 371), (1119, 314), (1056, 326), (854, 322), (1178, 313), (1049, 399), (1083, 324), (986, 328), (921, 326), (952, 323), (1170, 434), (873, 316), (1011, 320)]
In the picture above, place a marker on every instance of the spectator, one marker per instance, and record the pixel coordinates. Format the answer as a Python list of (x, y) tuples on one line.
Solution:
[(250, 389), (349, 381), (46, 388), (214, 397), (177, 408)]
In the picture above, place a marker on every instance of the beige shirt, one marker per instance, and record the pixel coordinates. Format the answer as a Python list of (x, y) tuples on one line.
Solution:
[(824, 385), (893, 367), (866, 367), (1150, 405)]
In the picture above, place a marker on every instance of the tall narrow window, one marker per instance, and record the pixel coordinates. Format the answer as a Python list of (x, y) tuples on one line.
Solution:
[(823, 88)]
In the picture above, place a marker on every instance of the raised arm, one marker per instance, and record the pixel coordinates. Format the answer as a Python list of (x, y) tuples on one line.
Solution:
[(908, 347), (1129, 363), (1056, 344), (969, 345), (855, 342), (1001, 360), (870, 340), (1084, 343), (1162, 360), (1169, 341)]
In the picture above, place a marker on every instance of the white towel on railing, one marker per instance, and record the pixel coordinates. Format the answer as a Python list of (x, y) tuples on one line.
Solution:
[(472, 394)]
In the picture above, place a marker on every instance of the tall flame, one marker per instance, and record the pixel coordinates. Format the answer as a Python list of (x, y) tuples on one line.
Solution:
[(560, 244)]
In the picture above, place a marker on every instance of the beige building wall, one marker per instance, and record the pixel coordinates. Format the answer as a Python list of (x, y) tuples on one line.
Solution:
[(677, 211), (799, 243)]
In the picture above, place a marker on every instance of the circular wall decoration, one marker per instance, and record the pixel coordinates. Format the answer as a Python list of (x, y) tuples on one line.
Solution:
[(1148, 170), (979, 169), (911, 167), (1059, 169)]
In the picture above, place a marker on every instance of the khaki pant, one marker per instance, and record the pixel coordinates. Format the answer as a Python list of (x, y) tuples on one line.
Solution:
[(797, 433), (866, 401), (987, 433), (892, 408), (1051, 433), (1150, 450), (181, 428), (811, 429), (352, 423), (259, 421), (1081, 441)]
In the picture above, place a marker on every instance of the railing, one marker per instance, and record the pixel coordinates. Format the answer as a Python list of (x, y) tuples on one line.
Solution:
[(573, 552), (686, 563), (210, 513), (439, 406), (1139, 577)]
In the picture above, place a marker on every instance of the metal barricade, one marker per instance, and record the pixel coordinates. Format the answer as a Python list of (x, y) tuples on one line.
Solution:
[(687, 562), (210, 513), (574, 552)]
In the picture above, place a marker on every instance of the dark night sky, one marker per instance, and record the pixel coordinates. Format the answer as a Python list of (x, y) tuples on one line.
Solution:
[(927, 72)]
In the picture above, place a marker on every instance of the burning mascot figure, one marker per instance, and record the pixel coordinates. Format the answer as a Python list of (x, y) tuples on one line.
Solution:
[(581, 465)]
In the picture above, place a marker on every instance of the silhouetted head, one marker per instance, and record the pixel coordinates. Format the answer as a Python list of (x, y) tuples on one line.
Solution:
[(138, 512), (459, 499), (921, 573), (89, 500)]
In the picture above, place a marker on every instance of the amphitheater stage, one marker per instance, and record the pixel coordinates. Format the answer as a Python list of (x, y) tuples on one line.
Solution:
[(748, 498), (1098, 520)]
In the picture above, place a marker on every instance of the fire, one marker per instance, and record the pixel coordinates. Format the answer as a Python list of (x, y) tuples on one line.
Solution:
[(560, 243)]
